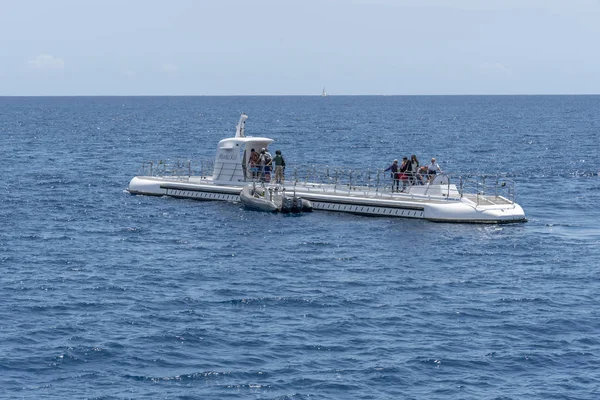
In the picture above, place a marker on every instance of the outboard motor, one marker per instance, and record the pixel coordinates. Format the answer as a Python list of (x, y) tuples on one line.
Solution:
[(287, 204), (297, 204)]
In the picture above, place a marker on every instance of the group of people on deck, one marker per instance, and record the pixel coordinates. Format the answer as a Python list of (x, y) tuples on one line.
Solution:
[(261, 165), (411, 173)]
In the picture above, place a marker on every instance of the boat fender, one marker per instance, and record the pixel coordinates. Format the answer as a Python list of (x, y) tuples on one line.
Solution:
[(306, 205)]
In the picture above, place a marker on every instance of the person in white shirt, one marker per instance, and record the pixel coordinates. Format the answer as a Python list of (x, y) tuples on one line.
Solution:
[(265, 164), (433, 169)]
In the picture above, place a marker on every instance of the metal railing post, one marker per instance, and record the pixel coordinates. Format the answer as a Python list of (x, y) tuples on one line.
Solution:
[(335, 182), (497, 178), (350, 178)]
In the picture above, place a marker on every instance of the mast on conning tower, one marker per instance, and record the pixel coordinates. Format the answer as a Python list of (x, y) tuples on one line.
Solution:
[(239, 128)]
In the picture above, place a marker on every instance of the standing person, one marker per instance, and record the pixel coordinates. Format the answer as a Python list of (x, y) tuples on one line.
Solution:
[(404, 172), (253, 162), (414, 169), (394, 171), (265, 165), (433, 169), (279, 163), (268, 165)]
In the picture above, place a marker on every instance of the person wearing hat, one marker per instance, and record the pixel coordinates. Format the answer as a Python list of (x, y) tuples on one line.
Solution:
[(279, 163), (265, 164), (394, 173)]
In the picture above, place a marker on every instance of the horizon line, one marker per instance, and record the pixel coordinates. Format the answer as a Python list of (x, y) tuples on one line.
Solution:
[(299, 95)]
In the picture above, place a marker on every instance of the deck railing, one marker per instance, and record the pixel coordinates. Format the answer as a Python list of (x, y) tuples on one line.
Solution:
[(479, 188), (178, 169), (487, 187)]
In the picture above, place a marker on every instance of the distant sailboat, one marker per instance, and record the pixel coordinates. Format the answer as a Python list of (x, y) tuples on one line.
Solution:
[(324, 93)]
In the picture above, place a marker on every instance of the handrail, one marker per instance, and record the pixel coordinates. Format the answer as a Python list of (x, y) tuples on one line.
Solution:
[(478, 188), (479, 185)]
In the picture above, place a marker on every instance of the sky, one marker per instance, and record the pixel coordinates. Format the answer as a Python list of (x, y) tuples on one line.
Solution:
[(297, 47)]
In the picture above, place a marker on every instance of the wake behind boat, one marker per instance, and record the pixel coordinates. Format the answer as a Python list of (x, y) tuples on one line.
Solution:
[(472, 199)]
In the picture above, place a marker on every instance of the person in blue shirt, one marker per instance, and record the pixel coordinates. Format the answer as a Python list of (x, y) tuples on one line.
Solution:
[(395, 176)]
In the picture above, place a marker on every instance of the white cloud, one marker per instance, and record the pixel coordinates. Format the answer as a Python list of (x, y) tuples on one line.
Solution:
[(170, 67), (46, 61)]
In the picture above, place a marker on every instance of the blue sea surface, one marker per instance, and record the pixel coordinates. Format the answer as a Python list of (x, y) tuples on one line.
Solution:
[(105, 295)]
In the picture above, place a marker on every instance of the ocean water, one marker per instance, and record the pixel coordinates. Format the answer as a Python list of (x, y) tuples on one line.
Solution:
[(105, 295)]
